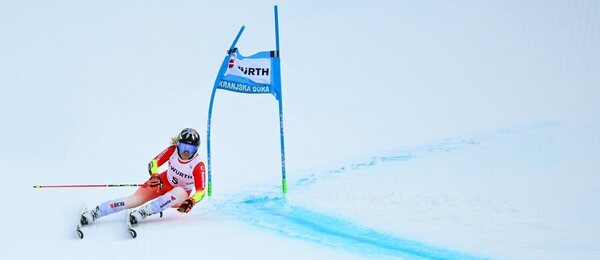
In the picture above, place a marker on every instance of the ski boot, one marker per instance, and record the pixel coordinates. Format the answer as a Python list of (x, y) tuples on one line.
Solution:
[(90, 216), (140, 214)]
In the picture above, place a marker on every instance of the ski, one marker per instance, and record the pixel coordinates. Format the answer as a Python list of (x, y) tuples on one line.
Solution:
[(78, 228), (130, 225)]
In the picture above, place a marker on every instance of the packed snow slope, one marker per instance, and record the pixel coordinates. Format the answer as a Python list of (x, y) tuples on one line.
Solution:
[(430, 129)]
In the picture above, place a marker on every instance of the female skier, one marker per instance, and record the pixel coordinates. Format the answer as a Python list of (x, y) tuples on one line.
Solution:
[(171, 188)]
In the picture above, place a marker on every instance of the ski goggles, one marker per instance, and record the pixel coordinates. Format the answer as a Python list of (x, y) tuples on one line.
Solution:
[(191, 149)]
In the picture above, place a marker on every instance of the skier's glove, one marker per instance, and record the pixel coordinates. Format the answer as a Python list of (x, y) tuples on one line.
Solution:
[(155, 182), (186, 205)]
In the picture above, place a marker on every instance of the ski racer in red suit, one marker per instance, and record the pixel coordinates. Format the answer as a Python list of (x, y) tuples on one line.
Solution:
[(171, 188)]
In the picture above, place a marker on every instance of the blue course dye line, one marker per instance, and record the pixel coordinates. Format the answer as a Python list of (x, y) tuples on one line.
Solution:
[(404, 155), (274, 213)]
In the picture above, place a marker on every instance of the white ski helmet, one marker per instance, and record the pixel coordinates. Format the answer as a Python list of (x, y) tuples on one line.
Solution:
[(189, 136)]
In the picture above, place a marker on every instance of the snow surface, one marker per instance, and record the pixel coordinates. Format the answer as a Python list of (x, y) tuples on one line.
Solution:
[(425, 129)]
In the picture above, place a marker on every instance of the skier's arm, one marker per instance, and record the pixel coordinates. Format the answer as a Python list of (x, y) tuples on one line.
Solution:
[(161, 159), (198, 196), (199, 174)]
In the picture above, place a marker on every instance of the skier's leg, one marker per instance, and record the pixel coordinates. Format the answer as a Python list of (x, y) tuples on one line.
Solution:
[(141, 196), (169, 199), (189, 192), (105, 208)]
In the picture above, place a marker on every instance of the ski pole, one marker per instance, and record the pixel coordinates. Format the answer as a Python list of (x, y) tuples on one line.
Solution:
[(89, 186)]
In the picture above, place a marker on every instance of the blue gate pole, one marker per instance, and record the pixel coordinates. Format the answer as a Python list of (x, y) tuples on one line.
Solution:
[(280, 98), (210, 107)]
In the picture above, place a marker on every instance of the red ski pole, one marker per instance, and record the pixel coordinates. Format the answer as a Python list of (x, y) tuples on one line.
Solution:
[(89, 186)]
